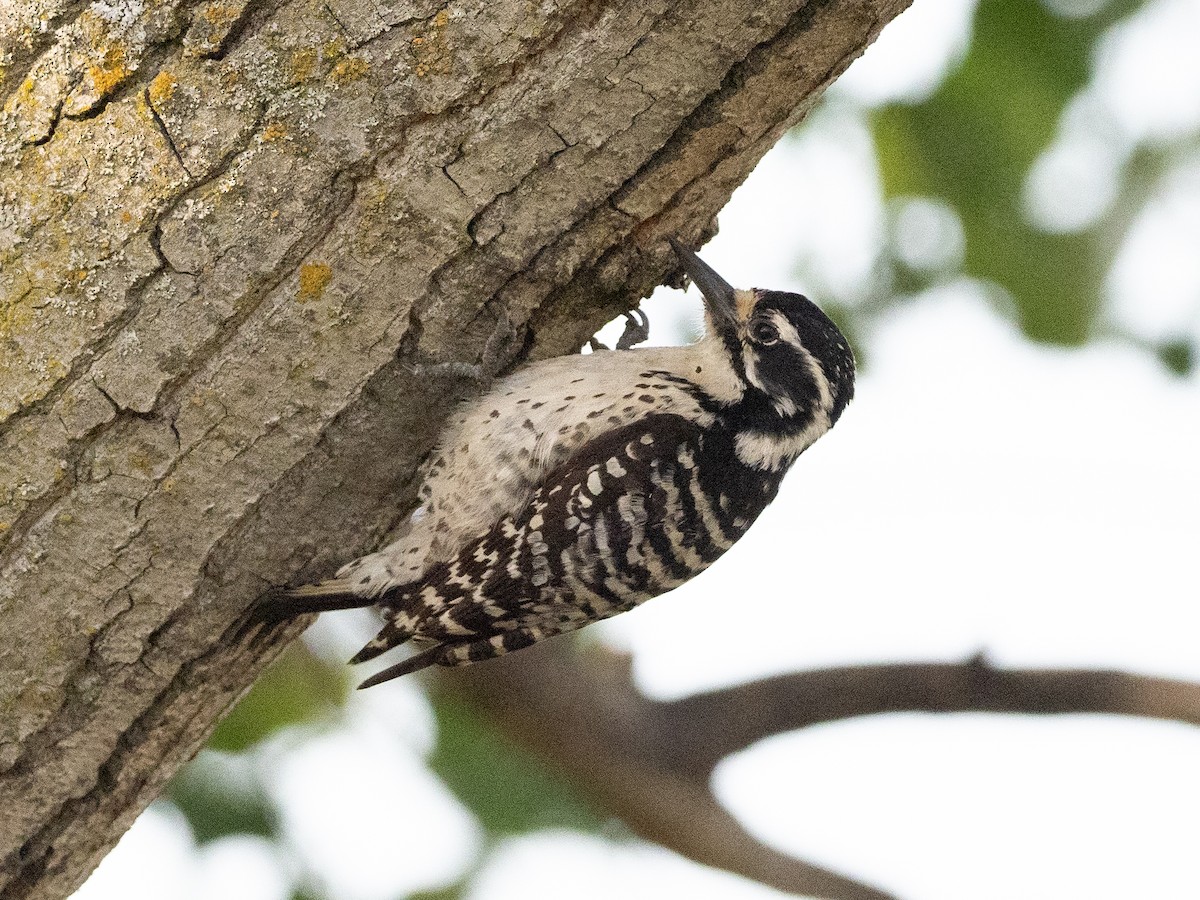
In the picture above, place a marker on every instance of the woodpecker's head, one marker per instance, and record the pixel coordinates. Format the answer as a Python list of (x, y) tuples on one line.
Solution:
[(796, 366)]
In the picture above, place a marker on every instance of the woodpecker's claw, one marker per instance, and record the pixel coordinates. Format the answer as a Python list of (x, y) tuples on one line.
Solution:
[(637, 330), (502, 345), (505, 342)]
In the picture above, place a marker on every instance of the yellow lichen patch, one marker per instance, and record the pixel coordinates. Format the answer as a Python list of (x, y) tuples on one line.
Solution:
[(314, 277), (303, 63), (334, 49), (432, 51), (274, 132), (211, 26), (350, 69), (22, 96), (14, 315), (162, 88), (222, 14), (109, 72), (375, 195)]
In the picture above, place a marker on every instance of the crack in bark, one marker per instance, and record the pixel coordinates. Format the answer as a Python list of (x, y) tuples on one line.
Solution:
[(55, 118), (797, 23), (328, 10), (161, 126), (255, 14), (152, 54), (23, 62)]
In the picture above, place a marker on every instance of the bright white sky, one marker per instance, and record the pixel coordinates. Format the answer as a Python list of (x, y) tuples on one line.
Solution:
[(981, 493)]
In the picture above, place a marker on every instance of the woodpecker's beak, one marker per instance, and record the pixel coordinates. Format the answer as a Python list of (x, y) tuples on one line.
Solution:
[(719, 297)]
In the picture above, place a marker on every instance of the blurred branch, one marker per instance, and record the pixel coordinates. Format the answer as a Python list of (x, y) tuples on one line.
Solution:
[(650, 762), (739, 716), (632, 756)]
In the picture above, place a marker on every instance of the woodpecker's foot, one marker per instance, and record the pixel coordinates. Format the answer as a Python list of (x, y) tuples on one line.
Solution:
[(473, 371), (637, 331), (502, 345)]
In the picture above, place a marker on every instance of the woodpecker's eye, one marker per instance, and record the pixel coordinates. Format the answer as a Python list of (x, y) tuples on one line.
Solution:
[(764, 333)]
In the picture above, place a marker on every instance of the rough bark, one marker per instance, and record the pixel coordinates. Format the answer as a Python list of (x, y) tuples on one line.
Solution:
[(228, 229)]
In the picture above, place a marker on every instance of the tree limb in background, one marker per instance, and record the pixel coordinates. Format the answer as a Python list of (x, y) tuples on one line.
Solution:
[(650, 763), (229, 232)]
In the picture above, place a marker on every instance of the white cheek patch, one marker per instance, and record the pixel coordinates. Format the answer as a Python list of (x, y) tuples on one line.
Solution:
[(818, 373), (783, 405), (750, 363), (771, 452)]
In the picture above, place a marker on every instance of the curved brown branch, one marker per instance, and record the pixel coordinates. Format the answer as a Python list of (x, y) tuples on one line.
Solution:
[(650, 762), (739, 716), (633, 757)]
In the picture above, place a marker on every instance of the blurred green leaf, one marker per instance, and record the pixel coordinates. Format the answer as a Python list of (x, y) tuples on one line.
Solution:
[(218, 799), (972, 144), (451, 892), (297, 689), (508, 789), (1179, 356)]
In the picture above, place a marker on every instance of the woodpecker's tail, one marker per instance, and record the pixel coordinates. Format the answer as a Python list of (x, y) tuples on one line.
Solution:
[(310, 598), (414, 663), (397, 630)]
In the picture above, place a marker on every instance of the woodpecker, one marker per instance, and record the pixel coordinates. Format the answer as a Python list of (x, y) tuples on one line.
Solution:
[(581, 486)]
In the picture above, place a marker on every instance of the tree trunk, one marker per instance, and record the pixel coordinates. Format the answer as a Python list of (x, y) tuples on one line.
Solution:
[(228, 231)]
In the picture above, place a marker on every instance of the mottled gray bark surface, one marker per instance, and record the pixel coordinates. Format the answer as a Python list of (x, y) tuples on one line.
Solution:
[(228, 231)]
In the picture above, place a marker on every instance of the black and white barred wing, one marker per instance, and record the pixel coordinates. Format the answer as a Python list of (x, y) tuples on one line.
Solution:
[(628, 517)]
